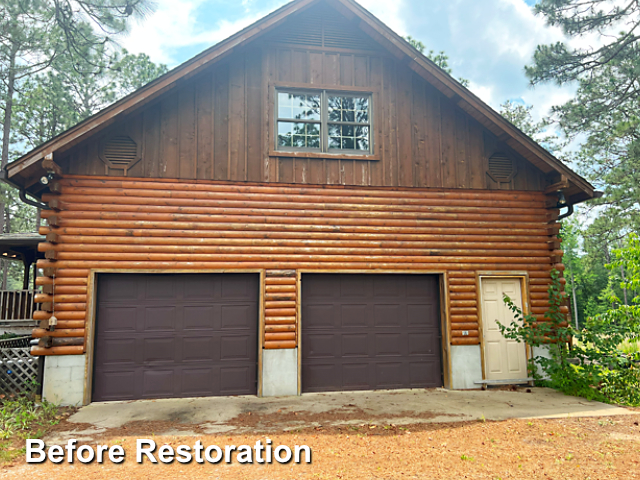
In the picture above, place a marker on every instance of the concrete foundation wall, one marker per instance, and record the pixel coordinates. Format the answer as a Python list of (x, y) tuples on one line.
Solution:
[(466, 367), (280, 372), (63, 382), (542, 351)]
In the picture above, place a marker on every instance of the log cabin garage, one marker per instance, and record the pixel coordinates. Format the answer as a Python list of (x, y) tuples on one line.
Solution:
[(309, 205)]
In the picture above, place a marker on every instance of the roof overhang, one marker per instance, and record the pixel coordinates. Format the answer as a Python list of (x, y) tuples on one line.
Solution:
[(25, 172), (21, 246)]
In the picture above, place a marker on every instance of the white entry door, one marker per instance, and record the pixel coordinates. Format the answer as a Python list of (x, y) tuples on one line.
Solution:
[(505, 359)]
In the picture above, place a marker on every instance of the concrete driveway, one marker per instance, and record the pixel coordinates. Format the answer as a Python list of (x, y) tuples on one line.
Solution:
[(195, 416)]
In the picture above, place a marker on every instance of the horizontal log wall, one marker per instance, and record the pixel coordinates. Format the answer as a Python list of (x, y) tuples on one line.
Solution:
[(280, 309), (141, 224)]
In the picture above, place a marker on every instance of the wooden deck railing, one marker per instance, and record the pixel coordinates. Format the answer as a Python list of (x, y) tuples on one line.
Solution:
[(16, 307)]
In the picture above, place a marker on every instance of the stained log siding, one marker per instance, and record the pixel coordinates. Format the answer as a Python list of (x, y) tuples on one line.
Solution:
[(220, 126), (142, 224), (280, 309)]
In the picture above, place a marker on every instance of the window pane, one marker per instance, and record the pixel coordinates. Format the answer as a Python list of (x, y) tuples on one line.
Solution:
[(313, 142), (362, 132), (348, 137), (284, 134), (362, 144), (347, 143), (298, 106), (348, 109), (313, 129), (347, 131), (299, 135)]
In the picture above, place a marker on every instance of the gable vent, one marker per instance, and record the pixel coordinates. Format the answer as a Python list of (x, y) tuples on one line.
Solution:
[(322, 26), (501, 167), (120, 152)]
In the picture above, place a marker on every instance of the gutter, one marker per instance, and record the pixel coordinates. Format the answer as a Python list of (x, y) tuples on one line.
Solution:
[(23, 197), (4, 177), (569, 212)]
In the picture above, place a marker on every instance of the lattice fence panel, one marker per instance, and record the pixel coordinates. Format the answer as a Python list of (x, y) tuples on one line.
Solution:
[(18, 371)]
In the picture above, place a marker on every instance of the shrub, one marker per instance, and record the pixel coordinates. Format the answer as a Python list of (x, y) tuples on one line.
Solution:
[(597, 362)]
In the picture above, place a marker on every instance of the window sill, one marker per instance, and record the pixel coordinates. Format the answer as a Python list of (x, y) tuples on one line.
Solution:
[(323, 155)]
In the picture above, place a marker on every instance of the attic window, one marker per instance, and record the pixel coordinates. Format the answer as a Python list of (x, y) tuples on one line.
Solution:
[(120, 152), (323, 121), (501, 167)]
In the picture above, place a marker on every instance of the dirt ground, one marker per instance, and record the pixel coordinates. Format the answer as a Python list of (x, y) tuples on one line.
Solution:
[(572, 448)]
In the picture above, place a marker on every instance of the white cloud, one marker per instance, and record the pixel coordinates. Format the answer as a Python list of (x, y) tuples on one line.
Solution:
[(175, 24), (489, 43), (170, 25), (390, 12)]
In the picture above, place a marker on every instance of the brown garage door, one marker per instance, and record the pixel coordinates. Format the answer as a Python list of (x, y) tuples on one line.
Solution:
[(160, 336), (367, 332)]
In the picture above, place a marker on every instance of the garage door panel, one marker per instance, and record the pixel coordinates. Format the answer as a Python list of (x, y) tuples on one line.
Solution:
[(395, 344), (322, 377), (426, 343), (234, 380), (419, 373), (199, 317), (159, 349), (198, 381), (158, 287), (118, 385), (355, 376), (384, 286), (124, 319), (158, 383), (235, 288), (238, 347), (176, 342), (160, 319), (422, 286), (237, 317), (320, 316), (196, 289), (354, 315), (419, 315), (321, 346), (353, 287), (390, 344), (354, 345), (127, 289), (388, 315), (117, 352), (389, 375), (199, 349)]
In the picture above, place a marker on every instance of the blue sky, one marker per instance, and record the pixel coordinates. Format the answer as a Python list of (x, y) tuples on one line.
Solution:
[(488, 41)]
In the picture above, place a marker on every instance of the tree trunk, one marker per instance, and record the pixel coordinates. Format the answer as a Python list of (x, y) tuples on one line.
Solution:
[(6, 121), (5, 266), (6, 138), (624, 289), (575, 299)]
